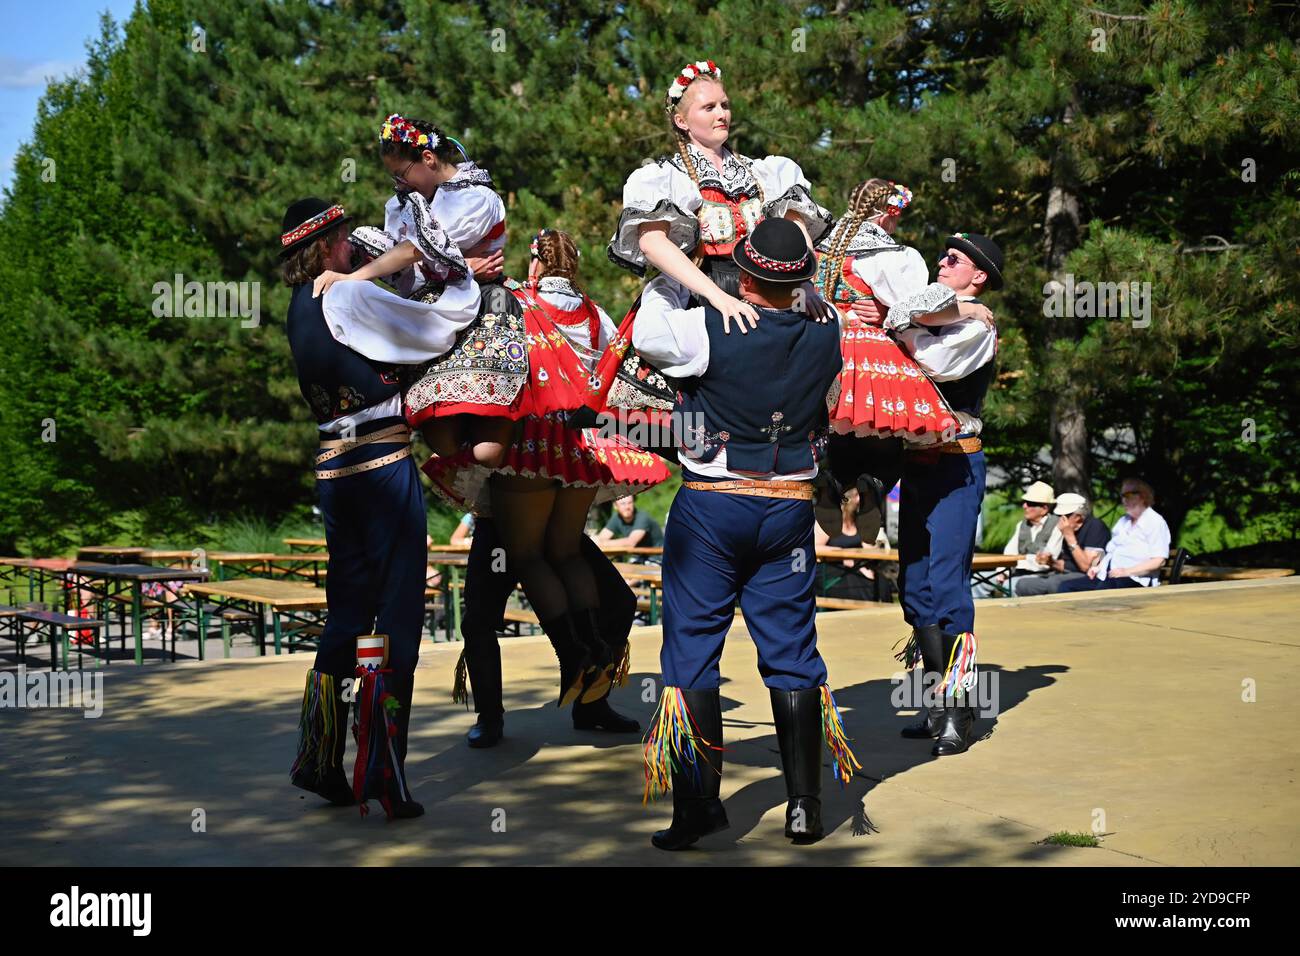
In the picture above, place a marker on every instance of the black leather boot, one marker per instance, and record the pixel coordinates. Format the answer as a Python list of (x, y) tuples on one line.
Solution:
[(958, 728), (403, 803), (586, 629), (331, 781), (598, 715), (697, 811), (484, 666), (930, 638), (576, 668), (798, 718)]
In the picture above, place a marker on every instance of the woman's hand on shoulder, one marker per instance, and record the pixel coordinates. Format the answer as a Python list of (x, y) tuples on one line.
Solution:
[(325, 280)]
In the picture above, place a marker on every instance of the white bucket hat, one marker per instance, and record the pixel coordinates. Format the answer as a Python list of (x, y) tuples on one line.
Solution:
[(1069, 503)]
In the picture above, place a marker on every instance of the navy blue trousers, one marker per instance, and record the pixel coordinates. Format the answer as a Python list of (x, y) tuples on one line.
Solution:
[(375, 530), (720, 549), (939, 505)]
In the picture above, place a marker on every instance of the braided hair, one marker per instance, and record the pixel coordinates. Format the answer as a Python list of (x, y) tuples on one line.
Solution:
[(681, 137), (867, 200), (558, 256)]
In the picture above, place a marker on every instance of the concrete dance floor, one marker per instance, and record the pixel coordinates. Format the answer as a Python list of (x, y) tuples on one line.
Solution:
[(1164, 720)]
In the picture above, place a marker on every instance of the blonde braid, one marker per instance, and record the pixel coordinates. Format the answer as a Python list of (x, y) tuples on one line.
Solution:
[(867, 199)]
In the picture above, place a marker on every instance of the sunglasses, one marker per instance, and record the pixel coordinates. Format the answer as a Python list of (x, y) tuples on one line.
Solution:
[(951, 259)]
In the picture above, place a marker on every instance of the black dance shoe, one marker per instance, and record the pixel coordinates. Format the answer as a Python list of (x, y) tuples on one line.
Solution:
[(598, 715), (485, 733), (333, 786)]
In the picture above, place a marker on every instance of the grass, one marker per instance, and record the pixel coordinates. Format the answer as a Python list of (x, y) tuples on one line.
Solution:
[(1065, 838)]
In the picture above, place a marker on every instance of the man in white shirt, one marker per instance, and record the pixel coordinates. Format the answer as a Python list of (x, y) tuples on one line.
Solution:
[(751, 424), (346, 346), (1138, 548)]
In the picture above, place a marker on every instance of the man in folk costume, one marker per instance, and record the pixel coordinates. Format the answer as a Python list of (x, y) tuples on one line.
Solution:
[(754, 412), (347, 345), (942, 491)]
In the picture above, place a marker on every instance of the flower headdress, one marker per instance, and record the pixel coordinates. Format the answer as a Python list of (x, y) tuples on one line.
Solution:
[(398, 129), (901, 198), (690, 72)]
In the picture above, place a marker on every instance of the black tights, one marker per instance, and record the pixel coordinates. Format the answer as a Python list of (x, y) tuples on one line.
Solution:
[(541, 524)]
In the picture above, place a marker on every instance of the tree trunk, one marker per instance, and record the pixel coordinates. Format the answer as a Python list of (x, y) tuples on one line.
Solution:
[(1068, 421)]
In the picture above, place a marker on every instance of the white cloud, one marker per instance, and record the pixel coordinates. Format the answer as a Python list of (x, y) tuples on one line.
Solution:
[(20, 74)]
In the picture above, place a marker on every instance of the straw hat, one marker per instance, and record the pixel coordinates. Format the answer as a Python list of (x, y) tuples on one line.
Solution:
[(1039, 493)]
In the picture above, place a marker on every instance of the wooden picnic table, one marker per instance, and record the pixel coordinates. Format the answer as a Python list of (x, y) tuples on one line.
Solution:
[(300, 564), (454, 559), (304, 544), (37, 572), (984, 566), (284, 600), (169, 556), (106, 581), (110, 554)]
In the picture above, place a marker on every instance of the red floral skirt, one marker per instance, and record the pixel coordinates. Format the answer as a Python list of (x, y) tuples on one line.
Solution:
[(884, 393), (544, 447)]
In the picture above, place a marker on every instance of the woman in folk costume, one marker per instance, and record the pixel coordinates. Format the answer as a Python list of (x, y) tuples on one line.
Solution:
[(683, 214), (551, 474), (882, 396), (445, 210)]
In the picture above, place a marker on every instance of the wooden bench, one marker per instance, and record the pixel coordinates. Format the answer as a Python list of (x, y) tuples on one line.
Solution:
[(57, 622), (1205, 572), (520, 615), (843, 604)]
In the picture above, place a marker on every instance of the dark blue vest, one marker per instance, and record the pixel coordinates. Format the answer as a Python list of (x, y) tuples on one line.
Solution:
[(967, 394), (333, 379), (763, 396)]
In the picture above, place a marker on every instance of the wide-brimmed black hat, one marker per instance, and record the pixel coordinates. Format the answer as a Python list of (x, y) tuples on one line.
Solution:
[(305, 220), (776, 251), (983, 251)]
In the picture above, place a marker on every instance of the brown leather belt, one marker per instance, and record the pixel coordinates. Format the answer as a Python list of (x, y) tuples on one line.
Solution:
[(802, 490), (393, 435), (959, 446)]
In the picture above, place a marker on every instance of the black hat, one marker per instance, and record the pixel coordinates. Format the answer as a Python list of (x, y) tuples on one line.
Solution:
[(304, 222), (983, 251), (776, 251)]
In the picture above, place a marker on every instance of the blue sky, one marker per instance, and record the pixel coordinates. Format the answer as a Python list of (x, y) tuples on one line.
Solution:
[(40, 39)]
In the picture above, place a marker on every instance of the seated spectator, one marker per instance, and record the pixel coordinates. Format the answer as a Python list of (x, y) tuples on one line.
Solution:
[(1076, 545), (464, 532), (850, 579), (629, 527), (1138, 547), (1029, 537)]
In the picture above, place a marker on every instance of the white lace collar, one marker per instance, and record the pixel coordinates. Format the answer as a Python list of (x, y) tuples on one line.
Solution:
[(869, 238), (558, 285), (468, 173), (736, 177)]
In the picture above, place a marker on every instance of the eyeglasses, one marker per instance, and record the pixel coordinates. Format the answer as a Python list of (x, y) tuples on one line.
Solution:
[(951, 259), (1131, 494), (1032, 504), (399, 178)]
